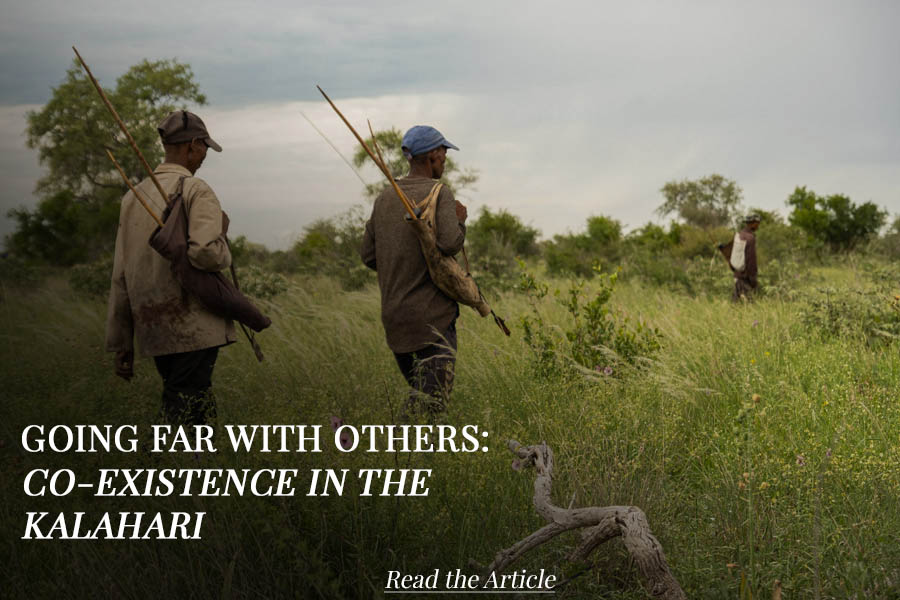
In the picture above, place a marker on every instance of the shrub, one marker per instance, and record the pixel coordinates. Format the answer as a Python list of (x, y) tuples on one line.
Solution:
[(495, 240), (92, 279), (845, 312), (331, 247), (872, 313), (261, 284), (15, 272), (597, 338), (581, 254)]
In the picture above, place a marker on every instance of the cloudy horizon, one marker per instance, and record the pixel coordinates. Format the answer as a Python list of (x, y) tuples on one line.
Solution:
[(567, 111)]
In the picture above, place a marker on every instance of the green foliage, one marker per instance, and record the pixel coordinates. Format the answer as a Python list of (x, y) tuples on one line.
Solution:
[(580, 254), (260, 283), (495, 240), (597, 338), (331, 247), (711, 201), (870, 312), (600, 339), (501, 227), (390, 141), (92, 279), (851, 312), (75, 219), (834, 221), (804, 491), (535, 331), (18, 273), (245, 252), (62, 230)]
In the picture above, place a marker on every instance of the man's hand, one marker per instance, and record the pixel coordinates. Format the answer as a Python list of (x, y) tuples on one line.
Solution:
[(225, 223), (124, 363), (461, 212)]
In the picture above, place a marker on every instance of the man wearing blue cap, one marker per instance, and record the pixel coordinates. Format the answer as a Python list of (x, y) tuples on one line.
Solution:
[(419, 319)]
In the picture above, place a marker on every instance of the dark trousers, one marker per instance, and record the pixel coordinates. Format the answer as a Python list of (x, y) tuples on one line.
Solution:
[(187, 379), (743, 290), (429, 372)]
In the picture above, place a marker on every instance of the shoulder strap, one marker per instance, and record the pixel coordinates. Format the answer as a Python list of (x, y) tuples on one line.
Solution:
[(432, 195), (179, 191)]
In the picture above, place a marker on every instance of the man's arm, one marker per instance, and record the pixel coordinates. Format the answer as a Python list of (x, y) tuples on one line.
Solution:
[(750, 260), (450, 228), (207, 249), (367, 249), (119, 320)]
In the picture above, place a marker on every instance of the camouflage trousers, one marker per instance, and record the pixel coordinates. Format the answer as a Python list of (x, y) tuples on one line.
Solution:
[(743, 290), (187, 397), (429, 373)]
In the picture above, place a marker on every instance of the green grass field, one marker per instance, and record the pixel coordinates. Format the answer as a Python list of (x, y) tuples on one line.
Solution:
[(799, 483)]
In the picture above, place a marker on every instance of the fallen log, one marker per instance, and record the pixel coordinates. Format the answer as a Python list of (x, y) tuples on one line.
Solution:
[(600, 524)]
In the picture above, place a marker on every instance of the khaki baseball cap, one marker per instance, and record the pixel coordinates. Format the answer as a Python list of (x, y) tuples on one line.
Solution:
[(183, 126)]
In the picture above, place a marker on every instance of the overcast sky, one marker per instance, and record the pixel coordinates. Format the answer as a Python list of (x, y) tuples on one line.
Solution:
[(568, 109)]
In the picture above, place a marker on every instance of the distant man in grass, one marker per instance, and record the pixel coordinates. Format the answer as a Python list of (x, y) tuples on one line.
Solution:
[(419, 319), (147, 302), (741, 254)]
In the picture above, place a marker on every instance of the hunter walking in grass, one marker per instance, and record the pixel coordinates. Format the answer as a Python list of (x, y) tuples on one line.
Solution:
[(742, 258), (419, 319), (147, 302)]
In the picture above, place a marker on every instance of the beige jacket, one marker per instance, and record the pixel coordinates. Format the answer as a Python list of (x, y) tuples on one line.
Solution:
[(145, 300)]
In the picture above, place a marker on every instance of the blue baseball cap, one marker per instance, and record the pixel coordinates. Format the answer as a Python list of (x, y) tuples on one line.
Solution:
[(421, 139)]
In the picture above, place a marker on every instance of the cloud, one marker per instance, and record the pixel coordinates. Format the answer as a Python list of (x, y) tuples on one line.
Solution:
[(567, 109)]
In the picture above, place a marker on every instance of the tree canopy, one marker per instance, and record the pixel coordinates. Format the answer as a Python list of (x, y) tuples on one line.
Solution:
[(390, 141), (76, 217), (834, 220), (711, 201)]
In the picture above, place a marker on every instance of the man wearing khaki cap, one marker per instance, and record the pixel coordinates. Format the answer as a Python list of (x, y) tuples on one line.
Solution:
[(419, 319), (147, 303)]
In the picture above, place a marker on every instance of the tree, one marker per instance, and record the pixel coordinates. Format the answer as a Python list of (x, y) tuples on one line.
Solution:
[(578, 253), (390, 141), (76, 217), (834, 220), (501, 228), (712, 201)]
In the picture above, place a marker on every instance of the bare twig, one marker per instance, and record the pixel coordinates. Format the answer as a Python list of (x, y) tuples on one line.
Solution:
[(600, 524)]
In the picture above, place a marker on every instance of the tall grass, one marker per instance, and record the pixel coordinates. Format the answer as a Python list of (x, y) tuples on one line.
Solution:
[(756, 448)]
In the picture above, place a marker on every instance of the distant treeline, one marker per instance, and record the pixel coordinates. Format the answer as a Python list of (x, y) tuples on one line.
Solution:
[(681, 254)]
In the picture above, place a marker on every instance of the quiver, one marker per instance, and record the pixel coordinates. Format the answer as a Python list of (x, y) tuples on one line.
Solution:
[(214, 291), (447, 274)]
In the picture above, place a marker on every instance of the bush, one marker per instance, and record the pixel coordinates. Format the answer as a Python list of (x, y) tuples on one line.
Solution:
[(261, 284), (582, 254), (15, 272), (872, 313), (331, 247), (495, 240), (92, 279), (869, 314), (598, 340)]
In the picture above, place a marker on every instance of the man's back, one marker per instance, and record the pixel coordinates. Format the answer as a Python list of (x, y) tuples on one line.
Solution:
[(144, 291), (414, 311)]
